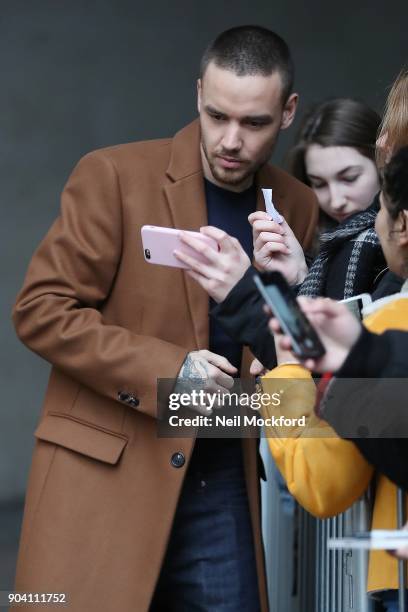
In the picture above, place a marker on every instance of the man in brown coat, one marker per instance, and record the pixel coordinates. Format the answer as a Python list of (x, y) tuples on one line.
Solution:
[(116, 517)]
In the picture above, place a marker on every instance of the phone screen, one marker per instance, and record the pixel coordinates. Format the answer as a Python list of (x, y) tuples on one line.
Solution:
[(280, 298)]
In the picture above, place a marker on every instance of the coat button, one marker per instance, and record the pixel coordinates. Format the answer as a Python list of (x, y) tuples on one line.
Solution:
[(128, 398), (178, 460)]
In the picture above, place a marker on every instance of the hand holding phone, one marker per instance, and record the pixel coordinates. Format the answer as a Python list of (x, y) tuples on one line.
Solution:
[(282, 301), (336, 326), (159, 244)]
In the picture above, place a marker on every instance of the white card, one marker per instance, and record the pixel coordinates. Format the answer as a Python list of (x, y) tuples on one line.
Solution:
[(269, 206), (378, 539)]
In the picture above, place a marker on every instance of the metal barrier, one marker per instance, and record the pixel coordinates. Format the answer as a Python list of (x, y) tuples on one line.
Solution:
[(303, 575), (341, 576)]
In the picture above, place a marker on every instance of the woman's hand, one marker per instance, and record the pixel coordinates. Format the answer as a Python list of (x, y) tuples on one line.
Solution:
[(257, 368), (401, 553), (276, 248), (336, 326), (223, 269)]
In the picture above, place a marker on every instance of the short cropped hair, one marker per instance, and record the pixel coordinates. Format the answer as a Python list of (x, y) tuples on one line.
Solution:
[(395, 183), (251, 50)]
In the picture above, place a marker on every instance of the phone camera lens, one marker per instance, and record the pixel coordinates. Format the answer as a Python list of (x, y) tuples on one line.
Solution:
[(147, 254)]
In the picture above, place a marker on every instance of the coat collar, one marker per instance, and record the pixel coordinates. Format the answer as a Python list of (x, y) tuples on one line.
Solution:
[(185, 159)]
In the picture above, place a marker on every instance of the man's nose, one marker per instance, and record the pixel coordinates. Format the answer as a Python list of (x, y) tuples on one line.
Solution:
[(232, 140)]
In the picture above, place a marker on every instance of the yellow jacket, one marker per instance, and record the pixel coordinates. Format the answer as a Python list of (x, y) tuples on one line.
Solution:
[(324, 473)]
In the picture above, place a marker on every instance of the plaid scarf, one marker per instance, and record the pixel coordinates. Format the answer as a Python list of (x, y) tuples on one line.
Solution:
[(365, 254)]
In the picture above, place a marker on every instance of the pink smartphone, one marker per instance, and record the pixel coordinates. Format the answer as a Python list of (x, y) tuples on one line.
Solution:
[(159, 243)]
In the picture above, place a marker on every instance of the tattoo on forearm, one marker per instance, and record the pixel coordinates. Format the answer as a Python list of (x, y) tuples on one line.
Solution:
[(192, 368), (193, 372)]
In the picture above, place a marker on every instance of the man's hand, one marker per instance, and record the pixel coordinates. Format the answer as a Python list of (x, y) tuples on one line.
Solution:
[(204, 370), (276, 248), (336, 326), (223, 268)]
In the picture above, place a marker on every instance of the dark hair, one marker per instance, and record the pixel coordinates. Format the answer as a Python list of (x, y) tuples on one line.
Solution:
[(340, 122), (395, 185), (251, 50)]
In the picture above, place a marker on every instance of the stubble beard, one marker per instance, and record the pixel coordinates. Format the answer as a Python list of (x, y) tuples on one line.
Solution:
[(231, 176)]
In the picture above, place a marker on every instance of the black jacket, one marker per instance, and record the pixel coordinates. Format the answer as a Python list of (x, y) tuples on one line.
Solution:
[(241, 315), (379, 407)]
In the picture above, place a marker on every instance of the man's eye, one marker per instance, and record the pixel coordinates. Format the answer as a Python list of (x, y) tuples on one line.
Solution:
[(216, 116)]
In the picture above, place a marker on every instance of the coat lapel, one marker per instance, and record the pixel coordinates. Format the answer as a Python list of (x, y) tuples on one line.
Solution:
[(186, 199)]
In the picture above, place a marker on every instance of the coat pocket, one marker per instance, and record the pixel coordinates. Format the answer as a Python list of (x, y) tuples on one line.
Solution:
[(82, 437)]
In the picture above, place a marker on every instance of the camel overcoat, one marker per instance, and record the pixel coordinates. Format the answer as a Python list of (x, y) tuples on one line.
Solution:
[(102, 490)]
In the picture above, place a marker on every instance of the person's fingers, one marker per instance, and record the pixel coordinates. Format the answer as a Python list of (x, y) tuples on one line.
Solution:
[(199, 246), (265, 237), (400, 553), (271, 249), (267, 226), (310, 364), (303, 300), (286, 227), (274, 325), (256, 368), (259, 215), (214, 232), (220, 362), (227, 243), (208, 271), (223, 381), (319, 320), (203, 409), (324, 306), (191, 262), (216, 387), (285, 343)]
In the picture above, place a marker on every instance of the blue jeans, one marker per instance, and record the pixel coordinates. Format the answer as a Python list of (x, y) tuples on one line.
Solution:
[(389, 600), (210, 561)]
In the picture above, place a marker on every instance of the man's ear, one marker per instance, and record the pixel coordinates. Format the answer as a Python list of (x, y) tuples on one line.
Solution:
[(403, 232), (199, 95), (289, 111)]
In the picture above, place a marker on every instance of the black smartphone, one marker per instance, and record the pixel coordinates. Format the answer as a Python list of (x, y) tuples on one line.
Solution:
[(282, 301)]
